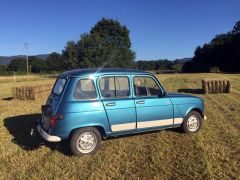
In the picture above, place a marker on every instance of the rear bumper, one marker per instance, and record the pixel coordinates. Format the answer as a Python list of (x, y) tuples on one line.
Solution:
[(46, 136)]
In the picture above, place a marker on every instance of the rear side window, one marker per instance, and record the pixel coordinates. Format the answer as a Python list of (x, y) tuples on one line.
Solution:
[(114, 87), (146, 86), (59, 85), (85, 89)]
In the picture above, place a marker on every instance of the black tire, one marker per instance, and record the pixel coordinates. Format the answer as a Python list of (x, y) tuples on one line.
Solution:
[(186, 125), (75, 141)]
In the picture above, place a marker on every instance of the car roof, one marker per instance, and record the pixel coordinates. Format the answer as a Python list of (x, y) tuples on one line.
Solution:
[(103, 71)]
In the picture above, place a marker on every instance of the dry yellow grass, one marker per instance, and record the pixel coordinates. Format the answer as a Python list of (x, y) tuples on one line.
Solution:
[(18, 78), (212, 153)]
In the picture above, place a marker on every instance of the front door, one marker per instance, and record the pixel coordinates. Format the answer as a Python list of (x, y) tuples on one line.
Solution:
[(118, 102), (153, 109)]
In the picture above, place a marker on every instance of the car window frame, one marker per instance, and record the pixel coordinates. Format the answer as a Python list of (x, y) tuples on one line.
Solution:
[(90, 99), (113, 75), (147, 76), (66, 81)]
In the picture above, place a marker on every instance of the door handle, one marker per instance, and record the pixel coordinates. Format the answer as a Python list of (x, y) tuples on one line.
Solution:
[(111, 104), (140, 102)]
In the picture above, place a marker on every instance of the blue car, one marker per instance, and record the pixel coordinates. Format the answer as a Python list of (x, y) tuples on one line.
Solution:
[(88, 105)]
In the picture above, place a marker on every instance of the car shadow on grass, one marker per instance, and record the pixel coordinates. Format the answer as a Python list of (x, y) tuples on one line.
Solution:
[(191, 91), (22, 129)]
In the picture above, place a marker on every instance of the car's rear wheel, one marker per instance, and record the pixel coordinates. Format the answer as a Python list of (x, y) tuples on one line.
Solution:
[(85, 141), (192, 122)]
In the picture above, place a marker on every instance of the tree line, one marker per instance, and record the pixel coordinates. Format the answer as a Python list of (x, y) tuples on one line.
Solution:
[(161, 65), (222, 54)]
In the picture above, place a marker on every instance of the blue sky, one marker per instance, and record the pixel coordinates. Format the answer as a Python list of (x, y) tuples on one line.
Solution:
[(158, 29)]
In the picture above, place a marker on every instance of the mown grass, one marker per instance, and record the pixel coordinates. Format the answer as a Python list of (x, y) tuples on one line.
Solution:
[(212, 153)]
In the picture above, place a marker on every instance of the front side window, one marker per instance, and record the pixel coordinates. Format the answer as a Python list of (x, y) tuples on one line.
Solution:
[(114, 87), (59, 85), (85, 89), (145, 86)]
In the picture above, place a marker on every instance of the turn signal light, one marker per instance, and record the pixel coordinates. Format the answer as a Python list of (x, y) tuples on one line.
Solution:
[(60, 117), (53, 120)]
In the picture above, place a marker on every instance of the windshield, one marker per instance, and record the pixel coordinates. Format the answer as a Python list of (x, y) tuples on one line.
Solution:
[(59, 85)]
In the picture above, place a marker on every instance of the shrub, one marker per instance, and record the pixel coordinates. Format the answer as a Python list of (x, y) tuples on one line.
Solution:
[(214, 69)]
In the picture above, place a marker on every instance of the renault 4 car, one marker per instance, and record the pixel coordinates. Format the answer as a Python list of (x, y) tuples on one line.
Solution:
[(88, 105)]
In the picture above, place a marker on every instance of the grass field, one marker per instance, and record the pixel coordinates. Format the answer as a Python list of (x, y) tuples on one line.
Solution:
[(212, 153), (19, 78)]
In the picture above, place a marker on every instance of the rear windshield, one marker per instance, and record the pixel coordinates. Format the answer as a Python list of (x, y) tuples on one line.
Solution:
[(59, 85)]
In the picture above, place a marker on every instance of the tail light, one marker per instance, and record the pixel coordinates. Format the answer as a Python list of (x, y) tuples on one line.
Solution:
[(53, 121)]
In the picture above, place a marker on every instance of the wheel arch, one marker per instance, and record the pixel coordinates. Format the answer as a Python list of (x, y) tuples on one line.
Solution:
[(98, 127), (197, 110)]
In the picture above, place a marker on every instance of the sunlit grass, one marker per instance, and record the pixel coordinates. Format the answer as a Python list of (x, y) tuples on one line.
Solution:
[(212, 153)]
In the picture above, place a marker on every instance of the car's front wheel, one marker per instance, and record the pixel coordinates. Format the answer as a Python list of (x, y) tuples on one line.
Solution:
[(192, 122), (85, 141)]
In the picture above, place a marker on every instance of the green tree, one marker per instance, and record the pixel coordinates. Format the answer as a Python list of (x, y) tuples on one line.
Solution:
[(70, 55), (221, 54), (3, 67), (108, 44), (177, 67), (18, 64), (236, 28), (55, 62), (37, 65)]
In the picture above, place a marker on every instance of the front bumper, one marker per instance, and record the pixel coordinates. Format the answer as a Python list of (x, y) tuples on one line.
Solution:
[(46, 136)]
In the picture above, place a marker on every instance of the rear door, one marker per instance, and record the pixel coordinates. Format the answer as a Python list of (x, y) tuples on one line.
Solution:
[(52, 102), (118, 102), (153, 108)]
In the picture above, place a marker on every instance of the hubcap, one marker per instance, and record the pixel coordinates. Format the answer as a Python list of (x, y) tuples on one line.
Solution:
[(86, 142), (192, 123)]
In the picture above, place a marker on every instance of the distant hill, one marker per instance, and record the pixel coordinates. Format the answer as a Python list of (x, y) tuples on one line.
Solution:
[(183, 60), (7, 59)]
